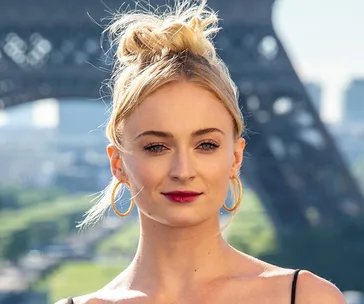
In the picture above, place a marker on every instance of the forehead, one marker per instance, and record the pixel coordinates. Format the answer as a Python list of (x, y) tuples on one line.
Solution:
[(179, 107)]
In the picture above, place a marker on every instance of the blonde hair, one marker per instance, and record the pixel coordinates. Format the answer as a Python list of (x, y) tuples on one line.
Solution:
[(153, 49)]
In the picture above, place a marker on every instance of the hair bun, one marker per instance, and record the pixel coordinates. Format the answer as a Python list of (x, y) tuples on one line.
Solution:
[(141, 36)]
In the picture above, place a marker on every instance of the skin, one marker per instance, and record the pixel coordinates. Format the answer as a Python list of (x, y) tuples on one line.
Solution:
[(181, 256)]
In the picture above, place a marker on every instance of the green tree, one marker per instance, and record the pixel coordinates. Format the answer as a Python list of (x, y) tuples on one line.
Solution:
[(16, 244)]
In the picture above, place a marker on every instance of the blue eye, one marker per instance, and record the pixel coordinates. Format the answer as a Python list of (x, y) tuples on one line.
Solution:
[(208, 146), (155, 148), (159, 148)]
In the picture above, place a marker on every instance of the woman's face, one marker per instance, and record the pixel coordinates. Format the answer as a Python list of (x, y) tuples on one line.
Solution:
[(180, 138)]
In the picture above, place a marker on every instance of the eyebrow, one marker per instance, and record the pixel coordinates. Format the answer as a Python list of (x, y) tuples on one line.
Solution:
[(170, 135)]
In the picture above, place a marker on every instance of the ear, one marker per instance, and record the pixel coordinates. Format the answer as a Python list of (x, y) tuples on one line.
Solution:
[(115, 163), (238, 156)]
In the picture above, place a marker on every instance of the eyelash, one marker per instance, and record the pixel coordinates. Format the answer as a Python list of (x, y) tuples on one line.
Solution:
[(149, 148)]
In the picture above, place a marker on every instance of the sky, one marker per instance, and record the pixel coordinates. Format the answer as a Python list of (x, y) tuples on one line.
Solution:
[(323, 38), (325, 41)]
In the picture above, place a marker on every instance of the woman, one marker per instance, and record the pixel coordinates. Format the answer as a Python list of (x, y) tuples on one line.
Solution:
[(175, 133)]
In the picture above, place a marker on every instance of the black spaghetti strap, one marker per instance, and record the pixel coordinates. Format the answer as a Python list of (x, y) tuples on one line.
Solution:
[(70, 301), (294, 283)]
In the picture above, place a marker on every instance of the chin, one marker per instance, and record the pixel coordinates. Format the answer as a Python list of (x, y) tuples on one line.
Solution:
[(179, 216), (181, 220)]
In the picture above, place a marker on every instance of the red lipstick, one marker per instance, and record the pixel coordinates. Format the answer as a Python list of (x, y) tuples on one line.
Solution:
[(182, 196)]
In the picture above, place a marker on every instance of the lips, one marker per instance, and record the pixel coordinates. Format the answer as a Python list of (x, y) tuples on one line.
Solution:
[(182, 196)]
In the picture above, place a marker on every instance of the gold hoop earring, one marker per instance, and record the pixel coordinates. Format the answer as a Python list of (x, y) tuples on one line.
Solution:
[(114, 205), (238, 201)]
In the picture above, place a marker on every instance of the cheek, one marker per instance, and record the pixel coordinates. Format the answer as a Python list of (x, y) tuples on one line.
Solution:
[(218, 179), (217, 173), (216, 176), (144, 173), (218, 167)]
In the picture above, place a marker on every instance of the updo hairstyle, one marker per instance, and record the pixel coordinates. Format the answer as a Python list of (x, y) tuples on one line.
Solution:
[(153, 49)]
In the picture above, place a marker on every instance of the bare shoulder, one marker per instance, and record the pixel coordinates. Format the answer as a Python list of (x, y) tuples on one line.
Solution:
[(314, 289), (310, 288)]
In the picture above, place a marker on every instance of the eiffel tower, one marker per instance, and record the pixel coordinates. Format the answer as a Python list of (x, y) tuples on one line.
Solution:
[(52, 49)]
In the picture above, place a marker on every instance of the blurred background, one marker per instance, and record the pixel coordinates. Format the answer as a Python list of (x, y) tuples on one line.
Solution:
[(300, 72)]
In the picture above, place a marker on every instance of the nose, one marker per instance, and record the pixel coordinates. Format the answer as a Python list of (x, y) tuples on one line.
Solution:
[(182, 167)]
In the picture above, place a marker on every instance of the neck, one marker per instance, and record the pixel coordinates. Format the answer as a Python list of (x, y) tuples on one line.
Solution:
[(176, 259)]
